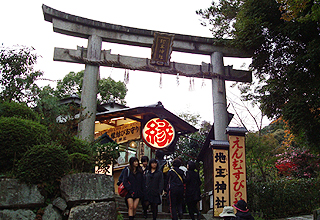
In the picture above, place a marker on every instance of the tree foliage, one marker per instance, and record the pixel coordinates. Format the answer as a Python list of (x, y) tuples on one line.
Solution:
[(17, 74), (189, 146), (108, 89), (286, 57), (61, 120), (260, 156), (18, 110)]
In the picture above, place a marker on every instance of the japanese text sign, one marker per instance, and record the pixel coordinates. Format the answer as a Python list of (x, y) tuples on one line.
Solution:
[(124, 133), (220, 180), (161, 49), (158, 134), (238, 185)]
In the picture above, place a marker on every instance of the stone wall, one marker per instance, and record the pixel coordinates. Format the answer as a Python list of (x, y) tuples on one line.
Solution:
[(84, 196)]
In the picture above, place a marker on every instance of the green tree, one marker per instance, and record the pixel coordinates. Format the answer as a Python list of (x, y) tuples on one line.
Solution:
[(61, 120), (285, 58), (108, 89), (260, 156), (17, 74), (188, 146)]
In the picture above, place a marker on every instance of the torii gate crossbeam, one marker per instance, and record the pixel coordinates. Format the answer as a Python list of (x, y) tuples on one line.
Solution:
[(96, 32)]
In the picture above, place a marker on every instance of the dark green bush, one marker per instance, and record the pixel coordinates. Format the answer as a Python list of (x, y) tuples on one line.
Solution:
[(43, 164), (283, 198), (16, 137), (81, 162), (76, 145), (18, 110)]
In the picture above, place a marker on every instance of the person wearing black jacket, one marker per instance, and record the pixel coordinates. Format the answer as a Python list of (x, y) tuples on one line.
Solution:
[(175, 189), (154, 186), (193, 193), (242, 211), (133, 181), (144, 203)]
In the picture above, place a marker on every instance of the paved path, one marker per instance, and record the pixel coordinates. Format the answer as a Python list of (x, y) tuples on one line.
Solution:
[(304, 217)]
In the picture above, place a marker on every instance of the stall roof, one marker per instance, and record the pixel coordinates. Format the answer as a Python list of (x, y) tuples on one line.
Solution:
[(145, 113)]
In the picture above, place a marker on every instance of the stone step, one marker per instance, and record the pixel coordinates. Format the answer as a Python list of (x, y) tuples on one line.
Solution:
[(161, 216), (123, 210)]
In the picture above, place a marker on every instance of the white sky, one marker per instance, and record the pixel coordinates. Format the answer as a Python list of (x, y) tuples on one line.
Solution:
[(22, 23)]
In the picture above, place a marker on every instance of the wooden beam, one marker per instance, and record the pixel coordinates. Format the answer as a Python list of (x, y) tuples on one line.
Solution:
[(72, 25), (143, 64)]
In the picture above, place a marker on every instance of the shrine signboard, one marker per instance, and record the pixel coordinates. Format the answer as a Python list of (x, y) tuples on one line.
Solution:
[(229, 170), (220, 179), (237, 157), (161, 49), (124, 132), (158, 133)]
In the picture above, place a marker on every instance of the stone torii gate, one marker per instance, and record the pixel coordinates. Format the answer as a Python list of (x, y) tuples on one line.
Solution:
[(93, 57)]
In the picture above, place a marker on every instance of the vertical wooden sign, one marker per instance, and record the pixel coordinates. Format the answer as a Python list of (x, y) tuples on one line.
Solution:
[(221, 186), (237, 157)]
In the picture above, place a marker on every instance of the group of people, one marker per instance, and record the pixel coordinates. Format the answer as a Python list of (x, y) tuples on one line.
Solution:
[(181, 185), (147, 183)]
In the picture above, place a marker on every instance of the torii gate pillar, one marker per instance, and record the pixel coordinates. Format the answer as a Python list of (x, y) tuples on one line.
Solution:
[(90, 89), (220, 114)]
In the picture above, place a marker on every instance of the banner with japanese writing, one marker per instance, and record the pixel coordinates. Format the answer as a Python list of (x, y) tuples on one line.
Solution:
[(124, 133), (238, 185), (220, 180)]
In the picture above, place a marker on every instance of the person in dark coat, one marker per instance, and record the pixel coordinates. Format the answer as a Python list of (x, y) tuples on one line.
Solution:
[(133, 181), (193, 193), (242, 211), (144, 203), (161, 164), (154, 186), (175, 189)]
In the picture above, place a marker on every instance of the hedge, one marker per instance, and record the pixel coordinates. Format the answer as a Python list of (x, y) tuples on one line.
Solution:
[(18, 110), (284, 198), (43, 164), (16, 137)]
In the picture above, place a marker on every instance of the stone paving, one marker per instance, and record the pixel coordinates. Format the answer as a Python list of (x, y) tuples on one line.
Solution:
[(304, 217)]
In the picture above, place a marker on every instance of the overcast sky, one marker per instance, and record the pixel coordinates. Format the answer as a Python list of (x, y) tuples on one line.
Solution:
[(22, 23)]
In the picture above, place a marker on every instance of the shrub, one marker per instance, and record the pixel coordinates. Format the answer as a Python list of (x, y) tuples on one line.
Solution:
[(298, 162), (76, 145), (43, 164), (16, 137), (283, 198), (18, 110), (81, 162)]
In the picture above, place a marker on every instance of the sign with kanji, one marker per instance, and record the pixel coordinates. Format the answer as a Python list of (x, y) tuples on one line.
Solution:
[(158, 133), (238, 185), (220, 180), (124, 133), (161, 49)]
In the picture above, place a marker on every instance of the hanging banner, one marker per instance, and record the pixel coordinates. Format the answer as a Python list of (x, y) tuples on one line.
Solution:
[(238, 184), (124, 133), (161, 49), (158, 133), (220, 180)]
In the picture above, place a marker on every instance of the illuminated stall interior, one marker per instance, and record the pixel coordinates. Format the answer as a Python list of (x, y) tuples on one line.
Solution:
[(123, 126)]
